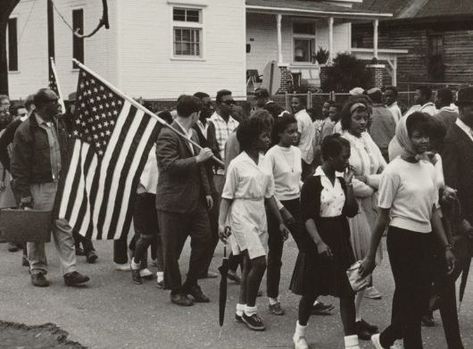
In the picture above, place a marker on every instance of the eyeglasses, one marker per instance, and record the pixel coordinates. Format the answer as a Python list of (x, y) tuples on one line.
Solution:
[(229, 102)]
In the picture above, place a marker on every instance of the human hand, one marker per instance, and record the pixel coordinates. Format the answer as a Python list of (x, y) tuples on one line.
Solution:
[(224, 233), (287, 216), (210, 201), (284, 231), (450, 259), (204, 155), (349, 174), (367, 266), (324, 250)]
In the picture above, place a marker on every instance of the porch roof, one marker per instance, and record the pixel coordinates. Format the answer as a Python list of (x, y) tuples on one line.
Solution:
[(311, 8)]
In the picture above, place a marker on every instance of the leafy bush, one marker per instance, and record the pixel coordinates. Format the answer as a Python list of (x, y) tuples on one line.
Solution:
[(346, 73)]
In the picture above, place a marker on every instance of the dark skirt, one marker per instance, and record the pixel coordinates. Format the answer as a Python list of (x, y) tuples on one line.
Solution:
[(315, 275)]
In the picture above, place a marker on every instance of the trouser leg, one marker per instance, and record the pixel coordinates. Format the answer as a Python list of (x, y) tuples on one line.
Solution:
[(275, 244), (37, 257), (120, 253), (64, 242), (213, 237)]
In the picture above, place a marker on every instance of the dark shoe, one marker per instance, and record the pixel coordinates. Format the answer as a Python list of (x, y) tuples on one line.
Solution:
[(276, 309), (253, 322), (25, 262), (322, 309), (136, 277), (181, 299), (364, 325), (146, 274), (238, 318), (75, 279), (209, 275), (428, 321), (12, 247), (232, 275), (39, 280), (363, 334), (196, 293), (160, 284), (79, 251), (91, 257)]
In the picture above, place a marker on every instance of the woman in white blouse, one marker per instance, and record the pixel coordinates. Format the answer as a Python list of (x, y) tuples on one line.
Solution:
[(367, 161)]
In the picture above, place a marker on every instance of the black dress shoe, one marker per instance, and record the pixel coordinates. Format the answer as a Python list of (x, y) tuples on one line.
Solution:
[(25, 262), (91, 257), (362, 324), (196, 293), (12, 247), (181, 299), (364, 330), (75, 279), (39, 280), (136, 277)]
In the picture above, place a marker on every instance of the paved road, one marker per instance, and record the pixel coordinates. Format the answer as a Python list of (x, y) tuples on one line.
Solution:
[(114, 313)]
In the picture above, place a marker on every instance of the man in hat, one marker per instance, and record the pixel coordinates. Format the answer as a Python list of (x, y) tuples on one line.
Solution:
[(383, 125), (457, 156), (39, 156)]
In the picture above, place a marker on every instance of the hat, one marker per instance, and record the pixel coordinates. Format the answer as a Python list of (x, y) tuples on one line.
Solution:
[(356, 91), (261, 93), (465, 96)]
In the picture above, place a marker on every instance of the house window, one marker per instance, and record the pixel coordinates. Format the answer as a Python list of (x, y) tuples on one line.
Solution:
[(304, 41), (12, 45), (77, 42), (187, 32), (435, 45)]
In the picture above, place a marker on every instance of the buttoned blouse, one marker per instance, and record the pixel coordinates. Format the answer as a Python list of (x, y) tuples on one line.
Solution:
[(332, 196)]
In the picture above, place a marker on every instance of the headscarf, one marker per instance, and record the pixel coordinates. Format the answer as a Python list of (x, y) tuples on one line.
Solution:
[(401, 144)]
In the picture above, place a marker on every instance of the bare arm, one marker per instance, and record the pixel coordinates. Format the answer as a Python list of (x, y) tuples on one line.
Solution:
[(381, 223), (222, 218), (438, 230), (273, 207)]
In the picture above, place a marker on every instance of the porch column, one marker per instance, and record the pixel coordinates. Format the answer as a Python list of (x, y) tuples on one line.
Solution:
[(330, 39), (375, 38), (279, 31)]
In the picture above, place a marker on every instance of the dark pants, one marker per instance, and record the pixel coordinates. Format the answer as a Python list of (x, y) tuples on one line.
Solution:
[(307, 170), (276, 244), (87, 244), (175, 228), (145, 219), (410, 257)]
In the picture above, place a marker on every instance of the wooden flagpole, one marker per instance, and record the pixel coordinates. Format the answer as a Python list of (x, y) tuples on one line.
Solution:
[(53, 70), (143, 108)]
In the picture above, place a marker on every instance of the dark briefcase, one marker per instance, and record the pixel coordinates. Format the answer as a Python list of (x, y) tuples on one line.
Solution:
[(25, 225)]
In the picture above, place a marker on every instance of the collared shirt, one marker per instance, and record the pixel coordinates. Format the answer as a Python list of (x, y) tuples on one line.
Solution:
[(188, 134), (223, 130), (396, 111), (203, 128), (54, 149), (428, 108), (306, 131), (332, 196), (465, 128)]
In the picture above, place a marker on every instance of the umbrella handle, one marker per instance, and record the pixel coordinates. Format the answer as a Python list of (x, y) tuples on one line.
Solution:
[(225, 250)]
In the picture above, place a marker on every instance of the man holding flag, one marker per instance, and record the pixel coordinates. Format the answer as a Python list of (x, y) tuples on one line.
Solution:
[(39, 154)]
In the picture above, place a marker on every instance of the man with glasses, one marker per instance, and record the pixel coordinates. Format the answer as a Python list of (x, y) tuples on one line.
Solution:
[(38, 161)]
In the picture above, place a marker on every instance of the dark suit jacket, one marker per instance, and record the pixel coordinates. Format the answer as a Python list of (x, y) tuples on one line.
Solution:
[(211, 143), (457, 157), (183, 184)]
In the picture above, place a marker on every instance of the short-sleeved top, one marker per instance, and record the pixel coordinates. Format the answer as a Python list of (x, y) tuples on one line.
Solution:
[(306, 130), (409, 190), (284, 164), (247, 180)]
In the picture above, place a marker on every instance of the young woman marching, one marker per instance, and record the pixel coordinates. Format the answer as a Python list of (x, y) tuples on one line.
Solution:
[(283, 162), (327, 200), (408, 202), (247, 189)]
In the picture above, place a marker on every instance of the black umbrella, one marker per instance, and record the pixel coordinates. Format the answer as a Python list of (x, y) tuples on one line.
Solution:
[(222, 300)]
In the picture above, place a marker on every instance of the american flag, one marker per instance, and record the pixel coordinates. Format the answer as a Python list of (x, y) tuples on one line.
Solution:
[(112, 140), (54, 84)]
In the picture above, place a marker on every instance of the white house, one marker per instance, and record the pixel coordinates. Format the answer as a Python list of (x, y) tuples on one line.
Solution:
[(159, 49)]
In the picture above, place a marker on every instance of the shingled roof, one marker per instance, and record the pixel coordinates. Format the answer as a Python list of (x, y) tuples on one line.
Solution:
[(410, 9)]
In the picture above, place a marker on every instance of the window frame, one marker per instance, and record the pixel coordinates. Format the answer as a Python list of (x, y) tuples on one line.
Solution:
[(187, 25), (75, 38), (17, 70), (296, 36)]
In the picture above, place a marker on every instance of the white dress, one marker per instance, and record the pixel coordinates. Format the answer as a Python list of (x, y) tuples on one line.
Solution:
[(367, 160), (248, 185)]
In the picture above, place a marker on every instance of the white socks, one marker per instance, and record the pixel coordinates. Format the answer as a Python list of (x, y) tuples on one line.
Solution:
[(358, 298), (159, 276), (351, 342), (135, 266), (249, 311), (300, 330), (240, 308), (273, 301)]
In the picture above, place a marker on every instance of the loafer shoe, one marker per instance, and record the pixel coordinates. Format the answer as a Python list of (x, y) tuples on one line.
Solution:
[(253, 322), (91, 257), (181, 299), (276, 309), (39, 280), (196, 293), (75, 279), (232, 275), (136, 277)]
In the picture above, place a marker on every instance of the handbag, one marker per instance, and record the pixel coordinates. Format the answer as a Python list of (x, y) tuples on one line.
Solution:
[(17, 225), (357, 282)]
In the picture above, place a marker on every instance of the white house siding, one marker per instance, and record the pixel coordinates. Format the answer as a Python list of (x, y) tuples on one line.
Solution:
[(147, 68), (99, 50), (261, 34)]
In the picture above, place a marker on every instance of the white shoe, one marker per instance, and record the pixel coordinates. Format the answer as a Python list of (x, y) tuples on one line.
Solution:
[(376, 342), (372, 293), (351, 342), (300, 342), (398, 345), (122, 267), (146, 273)]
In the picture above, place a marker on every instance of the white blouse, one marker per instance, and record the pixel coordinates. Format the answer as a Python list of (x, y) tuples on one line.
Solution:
[(332, 196)]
